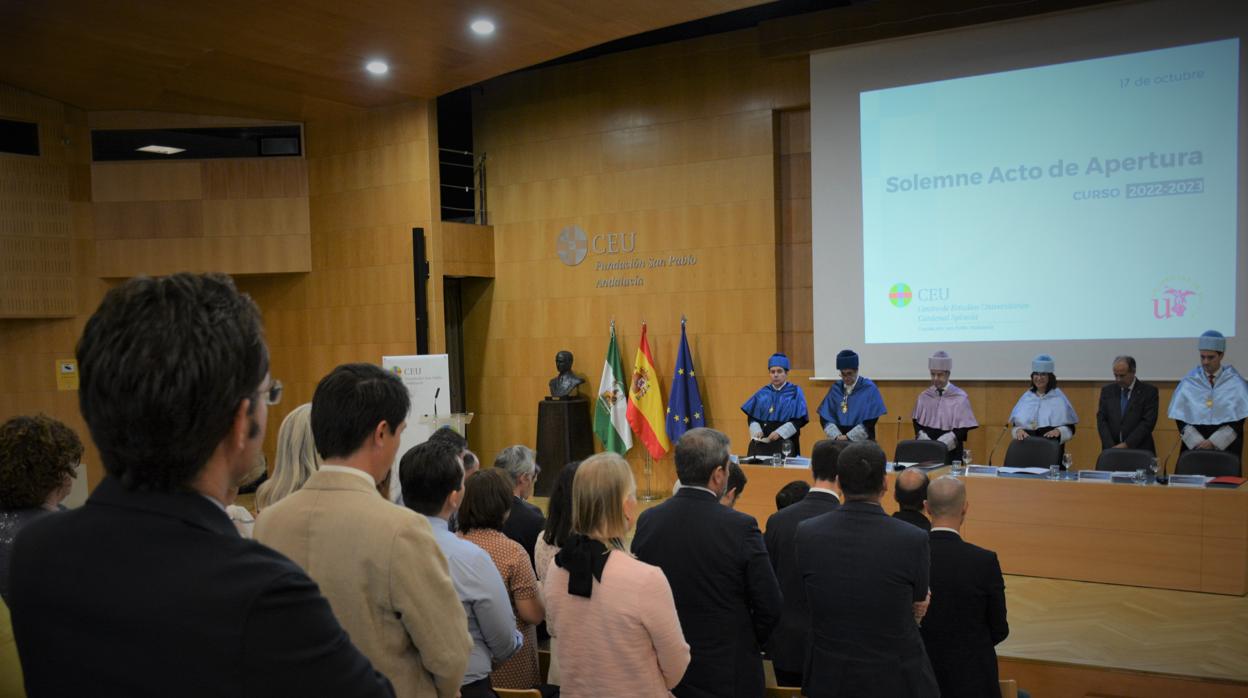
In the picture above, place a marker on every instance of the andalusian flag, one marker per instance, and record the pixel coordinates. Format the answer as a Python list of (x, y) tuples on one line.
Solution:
[(645, 402), (611, 410)]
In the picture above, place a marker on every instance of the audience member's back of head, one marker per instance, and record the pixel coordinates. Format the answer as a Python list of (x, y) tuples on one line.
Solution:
[(449, 436), (602, 483), (736, 478), (487, 500), (165, 365), (38, 459), (860, 470), (698, 453), (516, 460), (792, 493), (911, 489), (296, 460), (823, 458), (559, 507), (429, 473), (348, 405), (946, 496)]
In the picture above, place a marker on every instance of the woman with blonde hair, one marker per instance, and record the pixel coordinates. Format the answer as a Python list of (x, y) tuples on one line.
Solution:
[(614, 615), (296, 458)]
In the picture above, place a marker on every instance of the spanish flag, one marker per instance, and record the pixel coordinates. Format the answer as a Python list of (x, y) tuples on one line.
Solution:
[(645, 402)]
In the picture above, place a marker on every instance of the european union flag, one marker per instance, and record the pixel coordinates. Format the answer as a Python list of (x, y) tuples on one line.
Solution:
[(684, 407)]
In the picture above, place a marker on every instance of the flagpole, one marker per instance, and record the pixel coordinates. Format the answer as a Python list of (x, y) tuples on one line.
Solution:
[(648, 471)]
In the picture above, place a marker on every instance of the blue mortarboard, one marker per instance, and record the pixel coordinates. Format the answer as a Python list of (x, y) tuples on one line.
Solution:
[(778, 359), (1212, 340), (1042, 364), (846, 359)]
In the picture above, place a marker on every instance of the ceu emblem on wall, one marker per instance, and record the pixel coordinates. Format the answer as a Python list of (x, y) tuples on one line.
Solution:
[(572, 245), (899, 295)]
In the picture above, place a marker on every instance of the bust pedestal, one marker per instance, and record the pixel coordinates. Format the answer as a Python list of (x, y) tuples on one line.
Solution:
[(564, 434)]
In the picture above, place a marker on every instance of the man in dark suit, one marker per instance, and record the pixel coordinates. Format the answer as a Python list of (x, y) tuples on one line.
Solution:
[(967, 616), (726, 593), (175, 389), (910, 493), (791, 638), (866, 579), (1127, 411), (526, 521)]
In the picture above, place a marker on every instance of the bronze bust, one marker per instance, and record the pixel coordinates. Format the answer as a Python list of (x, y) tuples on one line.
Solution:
[(566, 383)]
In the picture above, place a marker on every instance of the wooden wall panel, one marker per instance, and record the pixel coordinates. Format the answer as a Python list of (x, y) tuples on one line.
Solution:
[(680, 150), (47, 262), (371, 177)]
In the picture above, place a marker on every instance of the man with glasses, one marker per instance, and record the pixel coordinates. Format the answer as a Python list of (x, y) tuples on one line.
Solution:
[(526, 521), (175, 389)]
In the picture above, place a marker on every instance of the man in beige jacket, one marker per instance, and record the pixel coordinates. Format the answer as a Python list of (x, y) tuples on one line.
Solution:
[(377, 563)]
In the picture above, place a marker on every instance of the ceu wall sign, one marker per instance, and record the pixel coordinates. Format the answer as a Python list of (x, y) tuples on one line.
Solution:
[(616, 261)]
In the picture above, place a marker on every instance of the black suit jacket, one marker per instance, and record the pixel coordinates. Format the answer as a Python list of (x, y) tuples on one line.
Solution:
[(524, 524), (1135, 427), (914, 518), (966, 618), (726, 594), (863, 571), (175, 603), (792, 636)]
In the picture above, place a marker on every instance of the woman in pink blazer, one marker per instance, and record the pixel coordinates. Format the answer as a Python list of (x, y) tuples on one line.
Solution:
[(614, 615)]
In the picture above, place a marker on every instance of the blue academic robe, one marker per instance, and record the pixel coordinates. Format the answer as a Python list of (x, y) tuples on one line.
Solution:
[(865, 406), (771, 408)]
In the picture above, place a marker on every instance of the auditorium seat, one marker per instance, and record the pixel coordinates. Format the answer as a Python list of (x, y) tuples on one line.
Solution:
[(518, 693), (1207, 462), (783, 692), (920, 451), (1124, 459), (1009, 688), (1033, 452)]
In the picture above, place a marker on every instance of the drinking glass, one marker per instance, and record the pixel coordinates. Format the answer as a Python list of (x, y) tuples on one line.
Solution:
[(1152, 469), (1055, 472), (777, 460), (966, 457), (1141, 477), (1068, 462), (786, 448), (959, 467)]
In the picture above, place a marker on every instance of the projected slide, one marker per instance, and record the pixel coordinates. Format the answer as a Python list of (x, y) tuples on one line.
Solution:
[(1085, 200)]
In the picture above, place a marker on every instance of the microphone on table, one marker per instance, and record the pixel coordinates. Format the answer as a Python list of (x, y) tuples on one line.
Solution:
[(997, 442), (436, 393), (1163, 478)]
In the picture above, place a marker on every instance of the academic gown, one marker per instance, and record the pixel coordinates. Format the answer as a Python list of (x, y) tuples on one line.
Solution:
[(863, 407), (1209, 408), (937, 413), (1039, 414), (772, 408)]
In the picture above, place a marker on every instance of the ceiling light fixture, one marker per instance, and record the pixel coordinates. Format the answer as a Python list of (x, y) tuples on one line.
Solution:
[(483, 27), (161, 149), (377, 67)]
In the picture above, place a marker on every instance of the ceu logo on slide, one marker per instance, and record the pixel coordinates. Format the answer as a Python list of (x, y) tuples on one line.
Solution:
[(1172, 297), (573, 245), (899, 295)]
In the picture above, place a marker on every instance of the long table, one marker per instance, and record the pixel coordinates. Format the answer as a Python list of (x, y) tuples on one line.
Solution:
[(1150, 536)]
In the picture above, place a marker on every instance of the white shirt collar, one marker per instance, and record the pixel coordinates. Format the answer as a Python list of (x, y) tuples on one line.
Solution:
[(946, 528), (349, 470), (825, 490)]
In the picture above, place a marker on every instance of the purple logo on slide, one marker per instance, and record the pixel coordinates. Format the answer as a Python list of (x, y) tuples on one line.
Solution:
[(1170, 299)]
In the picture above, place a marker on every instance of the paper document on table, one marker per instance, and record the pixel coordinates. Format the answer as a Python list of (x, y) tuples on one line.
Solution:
[(1027, 471)]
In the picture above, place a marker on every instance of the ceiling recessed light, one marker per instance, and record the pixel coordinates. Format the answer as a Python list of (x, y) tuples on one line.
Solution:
[(484, 27), (161, 149), (377, 67)]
